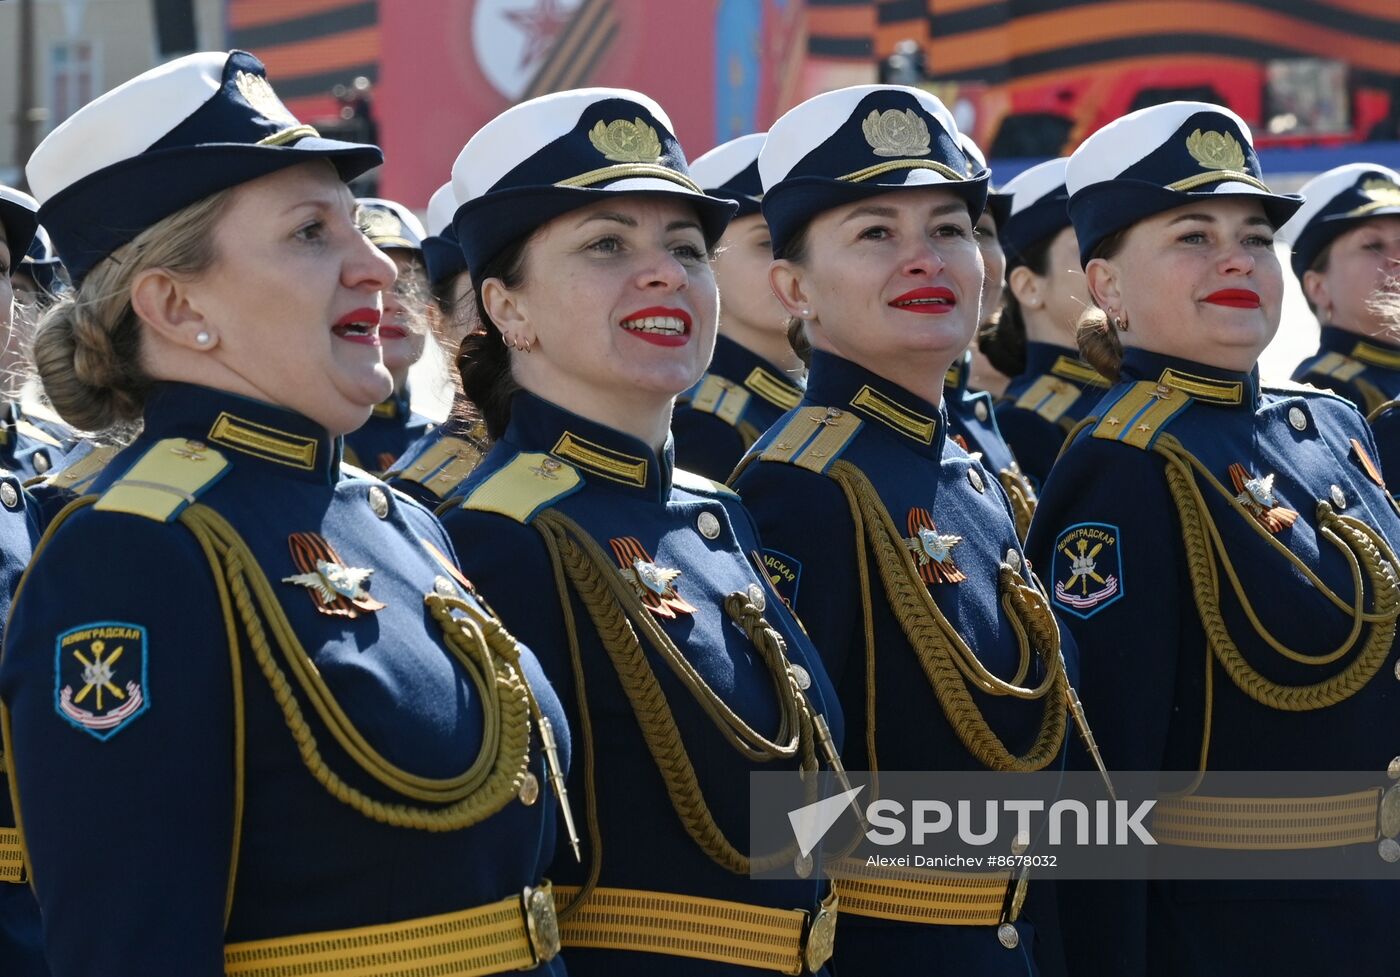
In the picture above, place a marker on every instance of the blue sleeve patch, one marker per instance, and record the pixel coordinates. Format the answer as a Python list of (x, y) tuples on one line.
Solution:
[(1087, 568), (100, 676), (785, 573)]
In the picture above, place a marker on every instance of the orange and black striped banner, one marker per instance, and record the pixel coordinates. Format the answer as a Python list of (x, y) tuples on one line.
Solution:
[(309, 46), (581, 48), (997, 41)]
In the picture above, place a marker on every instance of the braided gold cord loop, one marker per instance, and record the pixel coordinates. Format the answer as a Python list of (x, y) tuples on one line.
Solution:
[(946, 659), (1368, 557), (599, 587), (1022, 498), (500, 767)]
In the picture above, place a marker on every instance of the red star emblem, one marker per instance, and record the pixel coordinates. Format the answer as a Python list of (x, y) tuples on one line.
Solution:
[(541, 26)]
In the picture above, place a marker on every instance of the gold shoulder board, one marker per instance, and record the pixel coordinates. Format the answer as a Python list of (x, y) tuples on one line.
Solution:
[(531, 481), (442, 467), (1338, 367), (813, 438), (699, 484), (722, 398), (1049, 397), (166, 479), (80, 474), (1140, 414)]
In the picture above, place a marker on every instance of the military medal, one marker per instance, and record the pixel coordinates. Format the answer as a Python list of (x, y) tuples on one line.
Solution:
[(653, 583), (335, 589), (933, 551), (1257, 496)]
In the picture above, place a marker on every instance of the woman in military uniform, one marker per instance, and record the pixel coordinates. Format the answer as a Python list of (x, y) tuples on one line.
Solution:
[(1220, 550), (972, 421), (681, 670), (1346, 254), (29, 446), (1044, 299), (894, 546), (21, 942), (434, 467), (255, 718), (403, 333), (755, 376)]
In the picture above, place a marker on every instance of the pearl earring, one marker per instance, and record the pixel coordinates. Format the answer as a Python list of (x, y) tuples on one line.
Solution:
[(202, 338)]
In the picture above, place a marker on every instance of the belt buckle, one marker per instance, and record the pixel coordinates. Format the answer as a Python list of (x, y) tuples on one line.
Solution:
[(820, 939), (541, 922)]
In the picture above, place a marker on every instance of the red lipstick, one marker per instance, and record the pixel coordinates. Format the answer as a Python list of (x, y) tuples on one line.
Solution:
[(1235, 298), (660, 325), (926, 300), (359, 326)]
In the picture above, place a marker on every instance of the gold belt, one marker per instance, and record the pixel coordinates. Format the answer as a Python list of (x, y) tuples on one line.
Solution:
[(11, 856), (789, 941), (930, 898), (517, 933), (1269, 823)]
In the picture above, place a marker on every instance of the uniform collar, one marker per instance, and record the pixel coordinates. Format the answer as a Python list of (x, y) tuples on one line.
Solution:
[(757, 375), (1050, 359), (1367, 349), (837, 382), (249, 431), (1208, 384), (395, 408), (955, 380), (605, 455)]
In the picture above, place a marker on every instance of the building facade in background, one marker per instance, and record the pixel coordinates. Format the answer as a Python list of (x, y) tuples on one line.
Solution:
[(81, 48)]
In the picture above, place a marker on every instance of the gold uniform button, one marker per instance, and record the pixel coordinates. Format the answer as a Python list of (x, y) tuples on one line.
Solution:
[(975, 477), (708, 524), (803, 677), (980, 410), (9, 495), (1339, 498), (1297, 418), (802, 865), (443, 587), (529, 790), (379, 502), (1013, 559), (1393, 770), (1389, 850), (1008, 936)]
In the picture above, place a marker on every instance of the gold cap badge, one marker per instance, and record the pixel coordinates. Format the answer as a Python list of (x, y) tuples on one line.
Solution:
[(1215, 150), (259, 94), (380, 224), (896, 133), (626, 142), (1382, 192)]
